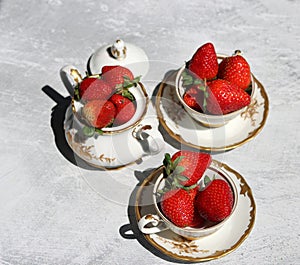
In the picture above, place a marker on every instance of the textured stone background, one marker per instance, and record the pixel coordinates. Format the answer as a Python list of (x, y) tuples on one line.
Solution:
[(53, 212)]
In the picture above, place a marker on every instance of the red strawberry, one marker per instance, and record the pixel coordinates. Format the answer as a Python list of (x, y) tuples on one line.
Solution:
[(116, 75), (193, 97), (224, 97), (125, 109), (236, 70), (178, 206), (193, 192), (187, 166), (198, 221), (92, 88), (215, 202), (204, 63), (99, 113)]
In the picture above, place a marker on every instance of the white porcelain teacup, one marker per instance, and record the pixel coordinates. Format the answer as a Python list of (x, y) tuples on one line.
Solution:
[(208, 120), (115, 146), (155, 223)]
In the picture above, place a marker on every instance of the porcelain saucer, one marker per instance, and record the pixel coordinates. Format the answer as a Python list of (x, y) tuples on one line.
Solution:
[(189, 132), (213, 246)]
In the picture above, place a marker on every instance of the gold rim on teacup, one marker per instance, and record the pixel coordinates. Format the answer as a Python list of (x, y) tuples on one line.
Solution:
[(109, 131), (208, 120), (160, 222)]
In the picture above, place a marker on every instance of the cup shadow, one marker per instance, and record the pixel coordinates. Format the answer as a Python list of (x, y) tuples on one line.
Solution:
[(131, 230), (167, 138), (57, 125)]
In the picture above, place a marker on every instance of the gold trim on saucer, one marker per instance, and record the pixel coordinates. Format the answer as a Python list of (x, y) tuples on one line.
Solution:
[(260, 89), (245, 190)]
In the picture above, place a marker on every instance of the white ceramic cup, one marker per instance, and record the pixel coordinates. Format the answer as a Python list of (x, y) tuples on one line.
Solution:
[(155, 223), (208, 120)]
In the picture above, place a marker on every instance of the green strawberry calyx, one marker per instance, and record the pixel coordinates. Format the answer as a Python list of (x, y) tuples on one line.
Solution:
[(128, 82), (189, 80), (173, 173), (123, 89), (206, 182)]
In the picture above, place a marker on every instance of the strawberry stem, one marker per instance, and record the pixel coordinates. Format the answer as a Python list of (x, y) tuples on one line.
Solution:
[(99, 131), (123, 88), (130, 83), (188, 80), (189, 187), (173, 173)]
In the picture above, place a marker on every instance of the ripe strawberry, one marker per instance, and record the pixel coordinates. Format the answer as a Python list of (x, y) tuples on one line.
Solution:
[(204, 63), (92, 88), (99, 113), (215, 202), (236, 70), (125, 109), (193, 97), (187, 166), (198, 221), (178, 206), (193, 192), (117, 75), (224, 97)]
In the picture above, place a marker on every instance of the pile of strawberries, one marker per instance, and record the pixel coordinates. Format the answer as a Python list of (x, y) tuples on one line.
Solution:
[(106, 98), (216, 88), (183, 201)]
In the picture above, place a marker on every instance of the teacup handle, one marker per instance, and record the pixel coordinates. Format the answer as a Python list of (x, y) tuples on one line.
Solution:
[(158, 224), (70, 76), (152, 144)]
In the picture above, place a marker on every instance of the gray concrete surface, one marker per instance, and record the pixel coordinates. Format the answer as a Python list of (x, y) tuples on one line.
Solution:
[(54, 212)]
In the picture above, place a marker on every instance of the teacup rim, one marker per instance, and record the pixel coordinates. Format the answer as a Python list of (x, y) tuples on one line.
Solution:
[(106, 131), (207, 116), (228, 179)]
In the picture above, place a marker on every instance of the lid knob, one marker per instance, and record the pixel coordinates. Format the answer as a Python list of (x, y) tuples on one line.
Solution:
[(118, 49)]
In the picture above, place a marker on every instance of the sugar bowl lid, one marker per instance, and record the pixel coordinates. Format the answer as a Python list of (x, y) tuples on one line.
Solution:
[(119, 53)]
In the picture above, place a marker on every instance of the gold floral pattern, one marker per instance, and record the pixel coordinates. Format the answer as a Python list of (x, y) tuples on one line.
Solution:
[(251, 111), (186, 246), (183, 249), (86, 151), (80, 149), (183, 246), (255, 115), (106, 159)]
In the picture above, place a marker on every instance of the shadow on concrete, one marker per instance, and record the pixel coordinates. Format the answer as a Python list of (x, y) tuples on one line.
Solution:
[(57, 125)]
